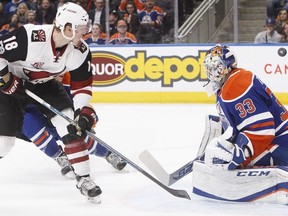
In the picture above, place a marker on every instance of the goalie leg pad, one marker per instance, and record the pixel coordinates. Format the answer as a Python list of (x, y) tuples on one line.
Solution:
[(262, 184), (213, 128)]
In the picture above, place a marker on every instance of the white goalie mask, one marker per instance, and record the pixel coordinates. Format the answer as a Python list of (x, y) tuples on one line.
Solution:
[(71, 13), (219, 61)]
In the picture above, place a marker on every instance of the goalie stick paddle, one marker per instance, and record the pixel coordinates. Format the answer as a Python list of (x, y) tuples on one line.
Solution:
[(212, 129), (167, 179), (175, 192)]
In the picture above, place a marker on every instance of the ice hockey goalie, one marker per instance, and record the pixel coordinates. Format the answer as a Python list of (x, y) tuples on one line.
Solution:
[(249, 161)]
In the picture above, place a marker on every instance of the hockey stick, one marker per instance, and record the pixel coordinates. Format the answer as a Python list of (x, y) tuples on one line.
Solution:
[(168, 179), (175, 192), (212, 129)]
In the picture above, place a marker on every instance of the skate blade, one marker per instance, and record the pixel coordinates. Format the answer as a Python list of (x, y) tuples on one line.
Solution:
[(96, 200)]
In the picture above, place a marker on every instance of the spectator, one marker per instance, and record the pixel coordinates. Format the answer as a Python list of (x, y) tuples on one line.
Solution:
[(89, 6), (122, 36), (153, 16), (97, 37), (97, 15), (113, 18), (114, 4), (82, 3), (270, 35), (59, 3), (131, 17), (146, 35), (168, 14), (139, 4), (4, 18), (281, 19), (11, 7), (46, 13), (32, 4), (273, 6), (21, 14), (285, 33), (11, 25), (30, 17)]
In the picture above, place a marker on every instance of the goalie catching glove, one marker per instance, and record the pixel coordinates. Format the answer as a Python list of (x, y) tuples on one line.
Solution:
[(221, 153)]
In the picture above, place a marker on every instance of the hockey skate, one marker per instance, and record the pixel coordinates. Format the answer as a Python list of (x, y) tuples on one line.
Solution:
[(116, 161), (66, 168), (89, 189)]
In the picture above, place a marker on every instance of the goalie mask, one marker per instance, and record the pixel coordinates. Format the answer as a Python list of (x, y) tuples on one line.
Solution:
[(219, 61), (75, 15)]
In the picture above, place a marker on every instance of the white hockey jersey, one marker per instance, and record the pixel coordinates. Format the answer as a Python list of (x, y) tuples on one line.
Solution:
[(29, 53)]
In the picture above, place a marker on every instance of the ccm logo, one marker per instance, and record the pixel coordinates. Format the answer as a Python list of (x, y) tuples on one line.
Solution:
[(253, 173)]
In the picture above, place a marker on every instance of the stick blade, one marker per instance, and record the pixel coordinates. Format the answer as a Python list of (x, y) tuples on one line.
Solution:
[(180, 193), (153, 165)]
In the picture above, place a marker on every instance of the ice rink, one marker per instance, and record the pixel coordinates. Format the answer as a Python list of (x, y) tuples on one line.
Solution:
[(31, 183)]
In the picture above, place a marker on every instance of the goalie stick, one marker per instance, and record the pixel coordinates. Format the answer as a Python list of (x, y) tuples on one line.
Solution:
[(174, 192), (168, 179), (213, 129)]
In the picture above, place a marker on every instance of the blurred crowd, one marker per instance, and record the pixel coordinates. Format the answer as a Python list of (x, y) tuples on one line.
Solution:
[(129, 21), (276, 24)]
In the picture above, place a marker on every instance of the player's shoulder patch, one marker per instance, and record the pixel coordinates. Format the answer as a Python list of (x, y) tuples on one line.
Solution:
[(237, 84), (82, 47), (38, 35)]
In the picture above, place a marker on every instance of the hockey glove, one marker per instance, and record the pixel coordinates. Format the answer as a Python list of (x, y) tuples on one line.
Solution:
[(15, 86), (86, 118), (223, 154), (243, 149)]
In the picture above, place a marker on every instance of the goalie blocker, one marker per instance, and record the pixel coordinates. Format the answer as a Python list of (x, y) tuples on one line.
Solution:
[(258, 184)]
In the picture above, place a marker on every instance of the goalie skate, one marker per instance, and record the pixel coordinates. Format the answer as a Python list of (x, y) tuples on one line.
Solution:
[(89, 189), (66, 168), (116, 161)]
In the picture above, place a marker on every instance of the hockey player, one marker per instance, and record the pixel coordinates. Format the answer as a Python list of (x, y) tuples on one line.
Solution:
[(248, 162), (31, 57), (42, 133), (244, 103)]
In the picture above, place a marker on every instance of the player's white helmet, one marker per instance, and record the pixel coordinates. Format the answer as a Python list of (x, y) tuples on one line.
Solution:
[(73, 14), (219, 61)]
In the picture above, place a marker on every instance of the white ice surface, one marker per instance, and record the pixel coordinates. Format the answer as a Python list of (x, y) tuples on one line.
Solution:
[(31, 184)]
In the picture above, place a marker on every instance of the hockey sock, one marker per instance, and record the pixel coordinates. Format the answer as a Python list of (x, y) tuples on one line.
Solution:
[(34, 128), (95, 148), (76, 151)]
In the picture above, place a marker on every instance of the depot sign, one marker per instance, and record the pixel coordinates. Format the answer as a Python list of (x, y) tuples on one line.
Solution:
[(110, 69), (174, 72)]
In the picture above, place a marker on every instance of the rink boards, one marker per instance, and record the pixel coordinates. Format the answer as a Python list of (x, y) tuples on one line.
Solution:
[(174, 73)]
